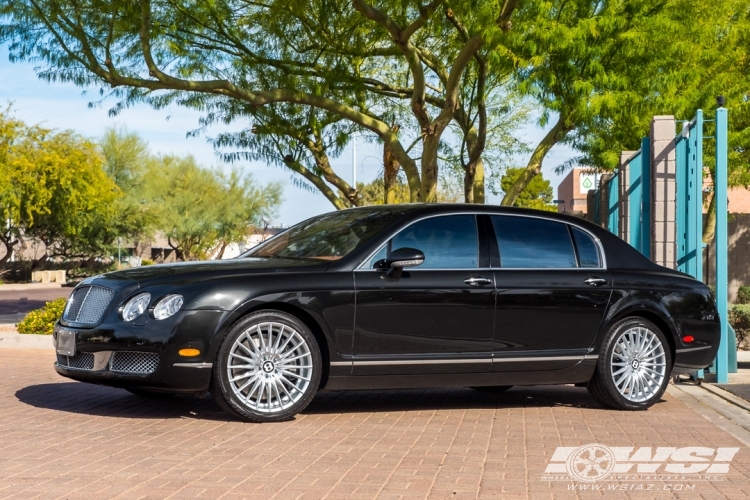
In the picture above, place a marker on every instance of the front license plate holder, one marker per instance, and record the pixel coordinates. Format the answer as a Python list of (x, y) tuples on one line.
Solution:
[(66, 342)]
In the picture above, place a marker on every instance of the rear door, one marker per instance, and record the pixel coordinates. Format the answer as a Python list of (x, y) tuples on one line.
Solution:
[(552, 292)]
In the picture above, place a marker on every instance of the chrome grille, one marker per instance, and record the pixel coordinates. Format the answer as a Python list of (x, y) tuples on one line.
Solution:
[(82, 361), (134, 362), (87, 304)]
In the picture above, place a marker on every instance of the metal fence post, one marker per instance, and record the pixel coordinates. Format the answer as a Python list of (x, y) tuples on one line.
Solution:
[(720, 192), (645, 229), (636, 199), (613, 205), (695, 220), (681, 176)]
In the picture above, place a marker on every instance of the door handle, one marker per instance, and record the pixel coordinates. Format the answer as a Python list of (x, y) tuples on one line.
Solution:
[(477, 281), (594, 281)]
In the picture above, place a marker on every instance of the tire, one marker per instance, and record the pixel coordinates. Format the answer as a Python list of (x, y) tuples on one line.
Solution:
[(275, 368), (634, 366), (146, 394), (495, 389)]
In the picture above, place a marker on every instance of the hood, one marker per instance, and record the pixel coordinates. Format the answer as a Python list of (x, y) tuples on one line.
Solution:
[(215, 269)]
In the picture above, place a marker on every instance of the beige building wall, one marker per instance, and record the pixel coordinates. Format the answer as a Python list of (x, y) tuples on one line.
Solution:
[(570, 193)]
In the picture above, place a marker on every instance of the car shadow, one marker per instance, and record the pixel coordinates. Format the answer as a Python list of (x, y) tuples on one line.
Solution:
[(94, 400), (450, 399)]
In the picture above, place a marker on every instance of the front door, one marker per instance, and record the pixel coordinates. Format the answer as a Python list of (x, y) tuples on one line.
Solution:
[(552, 292), (435, 318)]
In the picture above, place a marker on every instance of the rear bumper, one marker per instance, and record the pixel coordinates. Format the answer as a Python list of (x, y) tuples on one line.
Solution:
[(99, 353), (702, 351)]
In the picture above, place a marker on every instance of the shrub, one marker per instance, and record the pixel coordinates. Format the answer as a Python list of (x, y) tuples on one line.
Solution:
[(743, 295), (739, 318), (147, 262), (42, 321)]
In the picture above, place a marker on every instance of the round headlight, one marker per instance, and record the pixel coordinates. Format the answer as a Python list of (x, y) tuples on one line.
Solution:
[(168, 306), (136, 306)]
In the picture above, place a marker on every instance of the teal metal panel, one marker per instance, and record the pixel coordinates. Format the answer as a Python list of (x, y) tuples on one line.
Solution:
[(681, 193), (635, 194), (645, 231), (613, 204), (695, 219), (720, 192)]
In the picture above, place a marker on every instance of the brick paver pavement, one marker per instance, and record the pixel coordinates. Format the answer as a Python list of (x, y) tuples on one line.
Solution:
[(62, 439)]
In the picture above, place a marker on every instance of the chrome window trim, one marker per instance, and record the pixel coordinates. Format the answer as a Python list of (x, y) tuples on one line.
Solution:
[(600, 247)]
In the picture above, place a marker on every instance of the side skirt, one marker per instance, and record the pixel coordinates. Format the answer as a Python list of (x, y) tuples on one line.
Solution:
[(577, 374)]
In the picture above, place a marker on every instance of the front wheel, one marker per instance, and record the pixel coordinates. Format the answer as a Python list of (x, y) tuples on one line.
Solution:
[(634, 366), (268, 368)]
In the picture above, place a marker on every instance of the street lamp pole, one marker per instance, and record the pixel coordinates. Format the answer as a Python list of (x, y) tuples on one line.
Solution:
[(354, 161)]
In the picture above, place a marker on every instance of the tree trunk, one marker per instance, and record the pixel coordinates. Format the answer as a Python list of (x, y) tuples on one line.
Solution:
[(8, 250), (555, 135), (428, 192), (36, 264), (478, 184), (390, 176), (709, 228)]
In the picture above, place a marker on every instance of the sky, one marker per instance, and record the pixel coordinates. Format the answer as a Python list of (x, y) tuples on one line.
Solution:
[(65, 106)]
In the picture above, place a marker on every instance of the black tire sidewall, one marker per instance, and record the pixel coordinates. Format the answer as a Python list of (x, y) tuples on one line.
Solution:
[(604, 369), (221, 386)]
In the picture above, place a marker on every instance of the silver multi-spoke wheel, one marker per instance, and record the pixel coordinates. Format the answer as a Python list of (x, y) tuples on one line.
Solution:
[(638, 364), (270, 367)]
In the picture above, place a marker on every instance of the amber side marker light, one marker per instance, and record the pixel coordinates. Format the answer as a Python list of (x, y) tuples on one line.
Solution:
[(188, 353), (687, 339)]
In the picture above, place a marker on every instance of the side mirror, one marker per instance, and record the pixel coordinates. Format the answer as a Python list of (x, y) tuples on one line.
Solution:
[(404, 257)]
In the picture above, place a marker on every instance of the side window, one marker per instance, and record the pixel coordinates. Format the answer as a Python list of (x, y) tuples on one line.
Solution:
[(588, 253), (527, 242), (448, 242)]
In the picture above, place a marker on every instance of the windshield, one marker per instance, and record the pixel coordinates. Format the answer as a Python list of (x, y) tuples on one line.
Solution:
[(328, 237)]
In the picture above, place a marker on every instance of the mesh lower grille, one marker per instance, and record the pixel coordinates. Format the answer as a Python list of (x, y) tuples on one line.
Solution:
[(87, 304), (134, 362), (82, 361)]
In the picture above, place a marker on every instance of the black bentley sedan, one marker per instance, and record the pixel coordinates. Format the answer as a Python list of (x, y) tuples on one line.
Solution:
[(396, 297)]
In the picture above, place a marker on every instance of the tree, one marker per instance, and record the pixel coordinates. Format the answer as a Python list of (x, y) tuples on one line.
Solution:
[(53, 188), (601, 70), (537, 193), (368, 64), (202, 211), (126, 161)]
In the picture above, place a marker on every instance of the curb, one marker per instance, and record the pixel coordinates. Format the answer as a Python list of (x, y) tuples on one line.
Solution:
[(727, 396), (12, 340), (28, 286)]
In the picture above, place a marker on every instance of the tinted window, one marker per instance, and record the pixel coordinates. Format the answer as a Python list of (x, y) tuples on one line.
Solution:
[(327, 237), (448, 242), (588, 253), (526, 242)]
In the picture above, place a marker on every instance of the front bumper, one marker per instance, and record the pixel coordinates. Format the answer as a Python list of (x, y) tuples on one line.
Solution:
[(144, 354)]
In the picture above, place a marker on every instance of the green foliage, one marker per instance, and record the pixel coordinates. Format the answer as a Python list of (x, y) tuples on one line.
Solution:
[(202, 211), (302, 73), (53, 187), (739, 318), (743, 295), (147, 262), (42, 321), (537, 193)]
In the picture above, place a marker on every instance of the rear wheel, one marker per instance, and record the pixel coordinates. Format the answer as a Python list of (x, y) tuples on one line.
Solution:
[(634, 366), (268, 368)]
